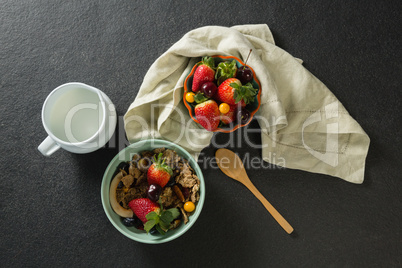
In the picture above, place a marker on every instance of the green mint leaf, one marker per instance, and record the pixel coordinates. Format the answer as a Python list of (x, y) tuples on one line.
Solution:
[(159, 230), (149, 225), (164, 226), (152, 216), (160, 204), (175, 212), (166, 217)]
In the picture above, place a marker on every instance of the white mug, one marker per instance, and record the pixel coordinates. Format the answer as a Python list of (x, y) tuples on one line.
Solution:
[(78, 118)]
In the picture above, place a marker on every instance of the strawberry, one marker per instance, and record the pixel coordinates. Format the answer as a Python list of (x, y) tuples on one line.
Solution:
[(142, 206), (204, 73), (232, 92), (153, 215), (159, 173), (230, 116), (208, 114)]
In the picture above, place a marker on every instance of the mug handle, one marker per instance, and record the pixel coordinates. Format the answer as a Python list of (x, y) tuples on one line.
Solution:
[(48, 146)]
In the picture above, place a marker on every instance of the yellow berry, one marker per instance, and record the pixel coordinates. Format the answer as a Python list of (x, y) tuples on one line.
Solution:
[(190, 97), (189, 206), (224, 108)]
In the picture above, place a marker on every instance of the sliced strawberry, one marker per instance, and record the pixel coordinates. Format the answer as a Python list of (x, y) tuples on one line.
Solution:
[(204, 73), (208, 114)]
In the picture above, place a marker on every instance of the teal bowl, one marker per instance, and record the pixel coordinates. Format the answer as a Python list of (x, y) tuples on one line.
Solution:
[(126, 155)]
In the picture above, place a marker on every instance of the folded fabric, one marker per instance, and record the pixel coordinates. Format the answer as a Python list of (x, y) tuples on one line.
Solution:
[(303, 125)]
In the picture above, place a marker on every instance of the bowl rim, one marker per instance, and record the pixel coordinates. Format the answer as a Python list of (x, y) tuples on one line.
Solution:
[(136, 147), (237, 125)]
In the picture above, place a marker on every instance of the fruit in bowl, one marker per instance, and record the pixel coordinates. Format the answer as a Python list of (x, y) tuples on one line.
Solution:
[(222, 93), (153, 191)]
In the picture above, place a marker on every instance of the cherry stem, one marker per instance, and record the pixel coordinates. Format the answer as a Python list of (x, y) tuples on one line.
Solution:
[(245, 63)]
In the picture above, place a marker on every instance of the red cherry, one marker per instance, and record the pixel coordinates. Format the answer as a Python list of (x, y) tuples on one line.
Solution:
[(244, 74), (154, 192), (209, 89), (243, 116)]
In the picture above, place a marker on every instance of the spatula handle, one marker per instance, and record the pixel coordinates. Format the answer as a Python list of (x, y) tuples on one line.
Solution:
[(278, 217)]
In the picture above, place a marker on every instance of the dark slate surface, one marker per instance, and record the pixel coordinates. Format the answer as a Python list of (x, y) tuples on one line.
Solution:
[(51, 212)]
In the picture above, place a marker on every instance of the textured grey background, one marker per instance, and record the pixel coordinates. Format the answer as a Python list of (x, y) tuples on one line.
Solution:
[(51, 212)]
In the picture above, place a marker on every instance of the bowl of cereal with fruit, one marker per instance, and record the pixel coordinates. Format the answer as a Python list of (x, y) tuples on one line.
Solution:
[(153, 191)]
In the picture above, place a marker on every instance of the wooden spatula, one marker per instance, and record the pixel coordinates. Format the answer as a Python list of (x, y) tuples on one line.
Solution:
[(232, 166)]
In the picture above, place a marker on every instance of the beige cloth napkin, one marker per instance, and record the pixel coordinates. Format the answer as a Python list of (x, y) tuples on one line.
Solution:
[(303, 125)]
